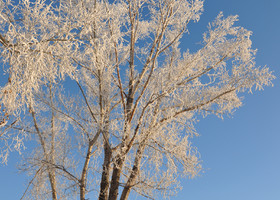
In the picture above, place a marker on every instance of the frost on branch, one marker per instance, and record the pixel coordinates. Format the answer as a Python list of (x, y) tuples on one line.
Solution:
[(108, 96)]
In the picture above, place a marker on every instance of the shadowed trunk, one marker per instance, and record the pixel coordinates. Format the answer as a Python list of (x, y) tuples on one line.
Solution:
[(105, 182), (115, 181)]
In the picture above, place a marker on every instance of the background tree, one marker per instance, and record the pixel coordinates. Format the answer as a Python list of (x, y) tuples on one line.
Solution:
[(108, 96)]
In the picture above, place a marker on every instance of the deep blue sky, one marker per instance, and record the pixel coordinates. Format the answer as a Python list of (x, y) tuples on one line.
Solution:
[(241, 154)]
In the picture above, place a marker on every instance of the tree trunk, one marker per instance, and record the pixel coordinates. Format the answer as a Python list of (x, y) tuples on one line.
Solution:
[(51, 173), (105, 182), (53, 184), (115, 181), (52, 152), (134, 173), (84, 173)]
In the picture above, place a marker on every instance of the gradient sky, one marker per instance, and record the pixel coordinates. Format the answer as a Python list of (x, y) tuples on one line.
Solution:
[(241, 153)]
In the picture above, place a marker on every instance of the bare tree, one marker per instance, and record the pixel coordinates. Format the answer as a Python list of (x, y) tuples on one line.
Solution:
[(110, 98)]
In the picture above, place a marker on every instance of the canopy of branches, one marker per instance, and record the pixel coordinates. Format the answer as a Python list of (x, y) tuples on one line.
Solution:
[(107, 95)]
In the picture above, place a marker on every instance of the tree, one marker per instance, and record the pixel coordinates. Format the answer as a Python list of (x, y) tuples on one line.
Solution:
[(107, 97)]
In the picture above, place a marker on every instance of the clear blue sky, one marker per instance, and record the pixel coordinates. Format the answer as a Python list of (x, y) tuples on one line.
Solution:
[(241, 154)]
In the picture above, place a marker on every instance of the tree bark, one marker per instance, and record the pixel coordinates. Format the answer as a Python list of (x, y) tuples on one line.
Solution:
[(53, 184), (115, 181), (84, 173), (105, 182), (134, 173)]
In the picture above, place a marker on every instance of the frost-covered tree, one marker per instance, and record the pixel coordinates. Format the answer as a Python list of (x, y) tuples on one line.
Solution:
[(103, 93)]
